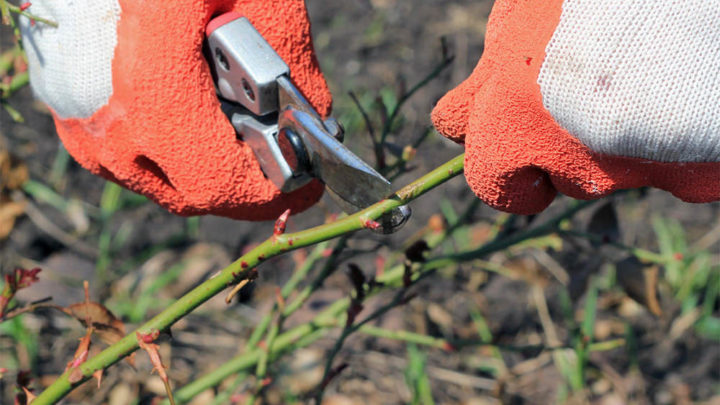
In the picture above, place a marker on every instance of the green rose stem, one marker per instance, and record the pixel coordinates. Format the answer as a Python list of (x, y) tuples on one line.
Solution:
[(238, 270), (334, 315)]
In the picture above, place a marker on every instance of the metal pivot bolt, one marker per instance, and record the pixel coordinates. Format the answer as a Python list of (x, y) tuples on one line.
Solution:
[(293, 151)]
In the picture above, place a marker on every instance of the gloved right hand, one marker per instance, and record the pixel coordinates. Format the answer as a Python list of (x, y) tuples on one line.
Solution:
[(587, 97), (133, 99)]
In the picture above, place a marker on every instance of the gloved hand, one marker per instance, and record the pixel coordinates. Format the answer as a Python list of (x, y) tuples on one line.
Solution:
[(587, 97), (133, 98)]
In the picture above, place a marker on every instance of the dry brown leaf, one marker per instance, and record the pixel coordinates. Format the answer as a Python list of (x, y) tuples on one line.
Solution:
[(9, 212), (13, 172), (640, 283), (92, 314)]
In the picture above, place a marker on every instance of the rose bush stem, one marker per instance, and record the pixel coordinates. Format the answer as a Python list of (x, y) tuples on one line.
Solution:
[(238, 270), (334, 315)]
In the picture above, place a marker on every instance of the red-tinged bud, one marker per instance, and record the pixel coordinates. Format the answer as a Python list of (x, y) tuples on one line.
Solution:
[(148, 337), (281, 223), (262, 345), (408, 153), (25, 278), (448, 347), (379, 266), (436, 223), (370, 224), (25, 6), (238, 398), (244, 264), (678, 256), (20, 65), (266, 381), (20, 278), (327, 252)]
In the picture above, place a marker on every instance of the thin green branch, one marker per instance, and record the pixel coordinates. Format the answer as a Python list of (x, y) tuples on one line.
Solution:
[(642, 254), (287, 289), (239, 269), (502, 243), (387, 127), (18, 10), (334, 315), (5, 12)]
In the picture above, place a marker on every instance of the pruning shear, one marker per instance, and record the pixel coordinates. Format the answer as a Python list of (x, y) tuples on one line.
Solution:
[(292, 143)]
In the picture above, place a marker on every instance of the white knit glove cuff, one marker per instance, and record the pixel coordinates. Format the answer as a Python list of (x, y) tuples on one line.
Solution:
[(71, 66), (638, 78)]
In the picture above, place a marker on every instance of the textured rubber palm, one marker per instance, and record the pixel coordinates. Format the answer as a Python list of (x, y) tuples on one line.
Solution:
[(517, 155), (162, 133)]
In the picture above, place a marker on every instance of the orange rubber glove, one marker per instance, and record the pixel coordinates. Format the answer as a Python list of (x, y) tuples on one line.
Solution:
[(587, 97), (134, 102)]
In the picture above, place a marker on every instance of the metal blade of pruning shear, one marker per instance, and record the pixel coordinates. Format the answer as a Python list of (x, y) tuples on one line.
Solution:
[(291, 141)]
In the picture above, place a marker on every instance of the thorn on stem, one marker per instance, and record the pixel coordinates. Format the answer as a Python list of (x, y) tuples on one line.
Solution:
[(81, 355), (98, 374), (247, 278), (145, 342)]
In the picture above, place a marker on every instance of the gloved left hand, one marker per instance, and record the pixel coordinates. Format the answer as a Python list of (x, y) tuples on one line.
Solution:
[(133, 98)]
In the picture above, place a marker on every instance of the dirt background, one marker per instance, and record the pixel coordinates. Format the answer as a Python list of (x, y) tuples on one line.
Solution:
[(368, 47)]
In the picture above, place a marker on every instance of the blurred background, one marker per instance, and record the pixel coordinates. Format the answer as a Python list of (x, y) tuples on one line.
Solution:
[(637, 274)]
